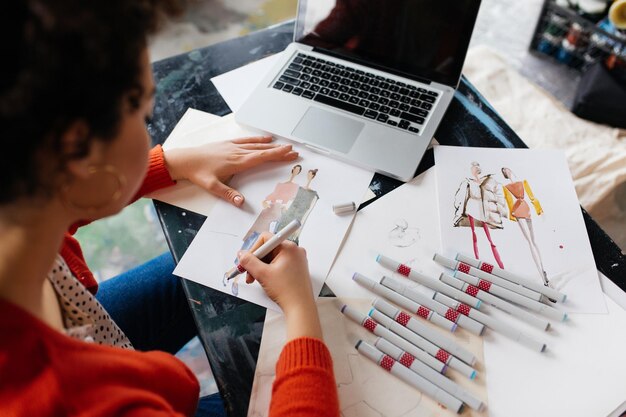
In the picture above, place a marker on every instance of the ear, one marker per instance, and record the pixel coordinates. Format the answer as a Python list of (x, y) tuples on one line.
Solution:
[(80, 150)]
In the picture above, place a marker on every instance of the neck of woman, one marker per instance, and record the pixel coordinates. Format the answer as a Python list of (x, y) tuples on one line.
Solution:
[(31, 237)]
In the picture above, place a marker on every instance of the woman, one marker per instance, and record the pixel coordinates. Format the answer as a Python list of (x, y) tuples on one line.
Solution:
[(75, 92), (478, 202), (515, 193)]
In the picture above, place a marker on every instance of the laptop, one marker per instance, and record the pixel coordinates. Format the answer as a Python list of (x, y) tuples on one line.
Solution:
[(366, 81)]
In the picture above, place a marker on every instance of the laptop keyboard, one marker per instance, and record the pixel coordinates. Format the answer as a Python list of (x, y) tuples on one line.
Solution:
[(372, 96)]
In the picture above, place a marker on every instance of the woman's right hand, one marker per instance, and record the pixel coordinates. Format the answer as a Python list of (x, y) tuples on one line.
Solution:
[(286, 280)]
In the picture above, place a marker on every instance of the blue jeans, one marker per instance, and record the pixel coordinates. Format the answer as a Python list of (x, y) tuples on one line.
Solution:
[(150, 306)]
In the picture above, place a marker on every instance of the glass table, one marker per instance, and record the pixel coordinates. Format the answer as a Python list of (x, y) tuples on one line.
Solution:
[(230, 329)]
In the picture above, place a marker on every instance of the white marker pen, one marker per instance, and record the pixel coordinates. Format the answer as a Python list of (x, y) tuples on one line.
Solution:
[(423, 312), (494, 289), (440, 354), (425, 331), (495, 301), (428, 282), (408, 376), (419, 368), (381, 331), (494, 270), (267, 247), (492, 323), (449, 313), (463, 267)]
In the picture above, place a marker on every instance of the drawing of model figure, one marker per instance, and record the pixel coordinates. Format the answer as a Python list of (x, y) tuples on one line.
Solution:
[(287, 202), (274, 205), (301, 207), (519, 211), (479, 202)]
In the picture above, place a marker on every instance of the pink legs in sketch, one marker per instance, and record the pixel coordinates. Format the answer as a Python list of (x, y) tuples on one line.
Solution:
[(474, 238), (496, 254)]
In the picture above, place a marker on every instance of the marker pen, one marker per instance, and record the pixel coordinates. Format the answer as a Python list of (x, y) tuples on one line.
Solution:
[(412, 306), (267, 247), (495, 301), (425, 331), (492, 323), (463, 267), (494, 289), (426, 281), (440, 354), (494, 270), (381, 331), (449, 313), (408, 376), (419, 368)]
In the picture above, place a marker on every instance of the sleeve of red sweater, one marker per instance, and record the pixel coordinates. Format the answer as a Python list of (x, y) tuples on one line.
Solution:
[(305, 383), (157, 176)]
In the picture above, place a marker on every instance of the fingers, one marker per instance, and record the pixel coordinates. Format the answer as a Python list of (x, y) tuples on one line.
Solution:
[(258, 146), (253, 139), (263, 237), (282, 153), (225, 192), (255, 267)]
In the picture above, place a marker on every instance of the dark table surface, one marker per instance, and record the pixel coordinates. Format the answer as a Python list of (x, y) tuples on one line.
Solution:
[(230, 329)]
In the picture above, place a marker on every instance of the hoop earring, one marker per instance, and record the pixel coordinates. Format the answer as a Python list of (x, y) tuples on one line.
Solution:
[(93, 170)]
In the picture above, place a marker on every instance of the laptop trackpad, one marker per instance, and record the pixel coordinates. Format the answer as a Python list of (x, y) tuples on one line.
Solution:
[(330, 130)]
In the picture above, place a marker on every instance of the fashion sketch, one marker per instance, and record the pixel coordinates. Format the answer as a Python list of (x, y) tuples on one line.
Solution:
[(273, 207), (515, 194), (288, 201), (479, 203)]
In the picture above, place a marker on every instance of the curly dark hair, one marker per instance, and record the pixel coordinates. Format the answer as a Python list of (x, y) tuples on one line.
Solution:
[(66, 61)]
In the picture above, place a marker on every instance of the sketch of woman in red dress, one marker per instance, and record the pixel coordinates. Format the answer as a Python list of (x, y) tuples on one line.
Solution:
[(515, 193), (479, 202)]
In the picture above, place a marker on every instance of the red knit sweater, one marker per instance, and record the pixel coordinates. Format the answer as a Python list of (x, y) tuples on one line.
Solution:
[(45, 373)]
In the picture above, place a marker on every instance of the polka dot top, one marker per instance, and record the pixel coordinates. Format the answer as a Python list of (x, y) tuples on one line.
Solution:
[(83, 316)]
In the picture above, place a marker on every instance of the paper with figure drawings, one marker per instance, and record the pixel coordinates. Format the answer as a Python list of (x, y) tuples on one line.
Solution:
[(402, 225), (517, 209), (275, 193)]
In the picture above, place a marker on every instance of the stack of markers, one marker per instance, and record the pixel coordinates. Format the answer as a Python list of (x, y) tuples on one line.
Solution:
[(420, 356)]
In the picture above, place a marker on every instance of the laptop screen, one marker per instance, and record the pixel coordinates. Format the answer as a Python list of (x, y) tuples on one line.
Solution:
[(423, 39)]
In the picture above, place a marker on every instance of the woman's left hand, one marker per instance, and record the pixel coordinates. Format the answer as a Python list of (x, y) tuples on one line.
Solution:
[(210, 166)]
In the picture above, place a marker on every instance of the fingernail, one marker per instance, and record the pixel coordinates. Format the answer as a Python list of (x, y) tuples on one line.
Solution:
[(238, 199), (240, 254)]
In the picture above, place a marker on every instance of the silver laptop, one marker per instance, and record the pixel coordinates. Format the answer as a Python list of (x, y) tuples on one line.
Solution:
[(366, 81)]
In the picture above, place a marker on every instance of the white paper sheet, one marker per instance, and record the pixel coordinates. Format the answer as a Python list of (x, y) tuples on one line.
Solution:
[(402, 225), (214, 249), (581, 374), (365, 389), (614, 292), (235, 86), (560, 234), (185, 194)]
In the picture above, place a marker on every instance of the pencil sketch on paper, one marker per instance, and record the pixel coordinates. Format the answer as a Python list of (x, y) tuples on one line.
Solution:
[(515, 193), (479, 203), (287, 202), (403, 236)]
